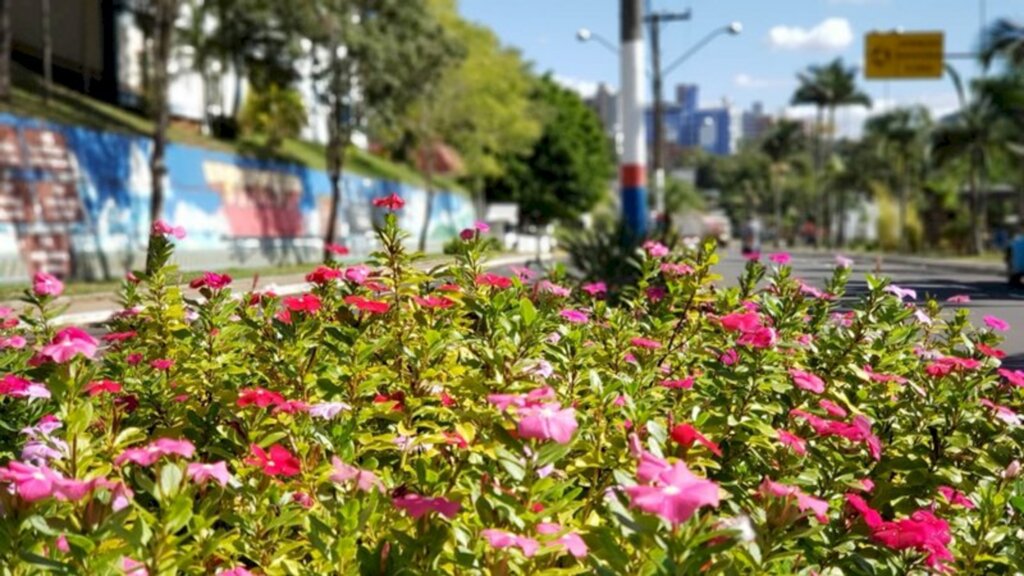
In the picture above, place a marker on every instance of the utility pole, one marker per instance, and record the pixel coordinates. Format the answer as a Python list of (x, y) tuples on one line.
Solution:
[(632, 172), (654, 20)]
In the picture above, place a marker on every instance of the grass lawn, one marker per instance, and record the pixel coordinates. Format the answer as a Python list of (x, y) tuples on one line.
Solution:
[(70, 107)]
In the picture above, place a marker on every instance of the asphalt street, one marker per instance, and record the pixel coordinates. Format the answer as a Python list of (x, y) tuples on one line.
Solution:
[(990, 293)]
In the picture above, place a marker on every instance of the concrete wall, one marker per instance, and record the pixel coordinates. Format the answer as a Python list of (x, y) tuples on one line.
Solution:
[(76, 202)]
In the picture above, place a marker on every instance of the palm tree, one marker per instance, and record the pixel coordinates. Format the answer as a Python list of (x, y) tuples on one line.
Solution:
[(829, 88), (783, 142), (900, 134), (1003, 40), (970, 135)]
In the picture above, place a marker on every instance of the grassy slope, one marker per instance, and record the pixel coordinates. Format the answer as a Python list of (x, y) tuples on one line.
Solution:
[(70, 107)]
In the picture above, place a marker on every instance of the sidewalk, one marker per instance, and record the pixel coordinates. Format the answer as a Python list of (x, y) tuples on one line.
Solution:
[(90, 309)]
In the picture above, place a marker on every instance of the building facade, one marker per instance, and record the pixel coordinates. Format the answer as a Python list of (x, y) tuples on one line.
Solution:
[(717, 130)]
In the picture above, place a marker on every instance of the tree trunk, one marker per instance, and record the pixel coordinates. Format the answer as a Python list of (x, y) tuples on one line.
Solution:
[(166, 10), (44, 7), (817, 193), (428, 181), (5, 50), (827, 196), (336, 144), (777, 207), (841, 216), (976, 217)]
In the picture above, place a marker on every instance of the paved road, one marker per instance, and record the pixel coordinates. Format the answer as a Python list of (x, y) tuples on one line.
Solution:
[(990, 293)]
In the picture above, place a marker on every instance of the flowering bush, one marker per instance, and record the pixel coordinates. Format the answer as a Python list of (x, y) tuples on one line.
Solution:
[(463, 421)]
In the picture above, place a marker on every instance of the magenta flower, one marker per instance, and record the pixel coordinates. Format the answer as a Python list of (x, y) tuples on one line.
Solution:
[(901, 293), (533, 398), (68, 343), (236, 571), (44, 284), (161, 228), (997, 324), (807, 381), (655, 249), (149, 454), (656, 293), (753, 256), (832, 408), (365, 480), (671, 269), (741, 321), (493, 280), (574, 316), (34, 483), (959, 299), (596, 289), (804, 501), (202, 473), (730, 357), (955, 498), (923, 532), (796, 443), (393, 202), (761, 338), (571, 541), (548, 287), (162, 364), (780, 258), (15, 342), (547, 422), (417, 505), (1015, 377), (502, 539), (275, 461), (674, 495), (685, 383), (211, 280), (843, 261), (358, 274), (645, 343)]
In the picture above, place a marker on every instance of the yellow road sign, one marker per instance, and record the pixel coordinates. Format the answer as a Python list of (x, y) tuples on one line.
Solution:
[(903, 55)]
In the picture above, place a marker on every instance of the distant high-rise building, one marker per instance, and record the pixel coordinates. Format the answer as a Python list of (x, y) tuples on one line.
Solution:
[(716, 129), (756, 123), (605, 102)]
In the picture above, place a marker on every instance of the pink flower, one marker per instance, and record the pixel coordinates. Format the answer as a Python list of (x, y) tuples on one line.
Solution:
[(365, 480), (832, 408), (260, 397), (11, 385), (133, 567), (656, 293), (161, 228), (685, 435), (761, 338), (162, 364), (119, 336), (392, 202), (524, 274), (877, 377), (570, 540), (327, 410), (102, 387), (1015, 377), (433, 302), (68, 343), (575, 316), (236, 571), (675, 494), (991, 352), (807, 381), (729, 357), (533, 398), (149, 454), (211, 280), (671, 269), (358, 274), (996, 323), (780, 258), (843, 261), (596, 289), (548, 287), (901, 293), (467, 234), (959, 299), (493, 280), (202, 473), (858, 431), (34, 483), (547, 422), (1002, 412), (803, 501), (502, 539), (685, 383), (368, 305), (62, 544), (322, 275), (417, 505), (741, 321), (753, 256), (44, 284), (955, 498), (307, 303), (16, 342), (277, 461), (482, 227), (337, 249), (655, 249), (923, 532), (645, 343), (798, 444)]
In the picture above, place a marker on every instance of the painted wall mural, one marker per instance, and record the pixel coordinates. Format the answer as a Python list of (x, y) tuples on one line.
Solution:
[(75, 202)]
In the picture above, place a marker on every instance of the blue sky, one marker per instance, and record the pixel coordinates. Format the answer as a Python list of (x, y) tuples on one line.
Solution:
[(780, 37)]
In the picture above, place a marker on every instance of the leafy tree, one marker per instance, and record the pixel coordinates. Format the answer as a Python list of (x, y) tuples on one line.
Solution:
[(377, 62), (568, 169), (900, 135), (781, 145), (277, 113), (970, 136), (1003, 40), (828, 87)]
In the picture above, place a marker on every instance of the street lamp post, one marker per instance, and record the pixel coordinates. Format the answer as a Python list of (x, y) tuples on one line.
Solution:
[(655, 20)]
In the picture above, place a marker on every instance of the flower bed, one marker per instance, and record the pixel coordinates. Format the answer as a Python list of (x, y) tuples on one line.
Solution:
[(463, 421)]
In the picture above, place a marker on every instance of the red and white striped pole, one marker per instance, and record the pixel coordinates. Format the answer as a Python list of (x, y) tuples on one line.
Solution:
[(632, 171)]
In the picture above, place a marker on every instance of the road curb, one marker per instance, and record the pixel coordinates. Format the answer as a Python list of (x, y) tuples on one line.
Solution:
[(100, 316)]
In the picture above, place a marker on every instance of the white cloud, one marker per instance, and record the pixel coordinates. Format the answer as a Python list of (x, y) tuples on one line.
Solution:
[(831, 34), (744, 80), (585, 88)]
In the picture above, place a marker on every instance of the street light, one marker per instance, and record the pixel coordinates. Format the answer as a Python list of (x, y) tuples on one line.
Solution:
[(586, 35), (732, 29)]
